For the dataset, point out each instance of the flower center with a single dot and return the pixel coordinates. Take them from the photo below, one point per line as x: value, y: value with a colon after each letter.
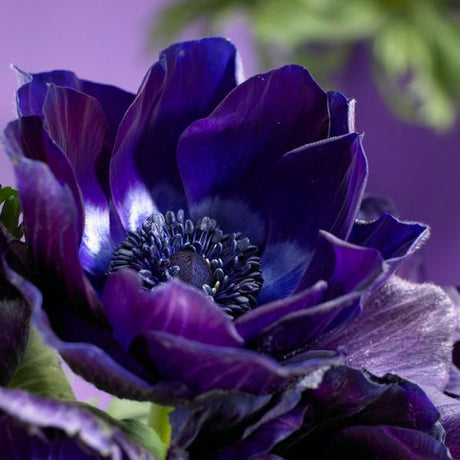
x: 225, y: 266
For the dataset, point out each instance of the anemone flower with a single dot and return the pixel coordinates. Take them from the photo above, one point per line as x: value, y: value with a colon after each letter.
x: 201, y: 234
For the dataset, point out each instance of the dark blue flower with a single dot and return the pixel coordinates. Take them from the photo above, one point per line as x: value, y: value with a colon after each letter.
x: 200, y: 235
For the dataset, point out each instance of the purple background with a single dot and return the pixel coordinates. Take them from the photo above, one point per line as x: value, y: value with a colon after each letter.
x: 106, y: 40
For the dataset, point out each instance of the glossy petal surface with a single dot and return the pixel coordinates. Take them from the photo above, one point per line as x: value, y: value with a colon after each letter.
x: 175, y: 308
x: 144, y: 174
x: 262, y: 119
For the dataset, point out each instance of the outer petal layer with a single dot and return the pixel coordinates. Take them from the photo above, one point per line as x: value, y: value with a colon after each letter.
x: 404, y: 328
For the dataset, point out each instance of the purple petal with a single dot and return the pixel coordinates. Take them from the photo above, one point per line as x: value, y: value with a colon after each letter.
x: 33, y: 427
x: 395, y: 239
x: 26, y: 137
x: 250, y: 324
x: 343, y: 266
x: 261, y: 440
x: 294, y: 331
x: 341, y: 114
x: 31, y: 95
x: 404, y: 328
x: 93, y: 363
x: 388, y: 442
x: 50, y: 218
x: 230, y: 156
x: 450, y: 419
x: 77, y: 125
x: 204, y: 367
x: 189, y: 80
x: 317, y: 187
x: 173, y: 307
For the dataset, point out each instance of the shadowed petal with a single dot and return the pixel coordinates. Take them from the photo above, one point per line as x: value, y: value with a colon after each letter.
x: 395, y: 239
x: 323, y: 184
x: 387, y: 442
x: 204, y: 367
x: 92, y: 362
x: 341, y: 114
x: 50, y: 213
x: 251, y: 323
x: 404, y: 328
x: 31, y: 95
x: 230, y: 156
x: 77, y: 124
x: 189, y: 80
x: 26, y: 137
x: 173, y: 307
x: 295, y: 331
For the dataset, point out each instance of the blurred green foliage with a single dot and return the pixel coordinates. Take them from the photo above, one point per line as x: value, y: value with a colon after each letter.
x: 415, y: 43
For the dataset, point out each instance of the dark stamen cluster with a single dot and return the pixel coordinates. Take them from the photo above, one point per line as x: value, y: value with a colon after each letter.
x: 225, y: 267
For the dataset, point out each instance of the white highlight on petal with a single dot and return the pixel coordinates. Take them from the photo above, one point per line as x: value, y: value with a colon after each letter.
x: 96, y: 235
x: 137, y: 206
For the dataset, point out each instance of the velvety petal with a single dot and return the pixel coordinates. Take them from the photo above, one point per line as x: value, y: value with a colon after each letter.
x: 260, y: 441
x: 204, y: 367
x: 345, y: 267
x: 50, y: 213
x: 251, y: 323
x: 395, y: 239
x: 323, y: 184
x: 385, y: 442
x: 77, y: 125
x: 92, y: 362
x: 450, y: 419
x: 230, y: 156
x: 33, y: 427
x: 31, y: 95
x: 26, y: 137
x: 341, y: 114
x: 295, y: 331
x: 172, y: 307
x: 404, y: 328
x: 189, y: 80
x: 214, y: 416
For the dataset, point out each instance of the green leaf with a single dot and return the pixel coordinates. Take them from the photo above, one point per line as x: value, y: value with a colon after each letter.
x: 137, y: 430
x: 125, y: 408
x: 40, y: 371
x: 146, y: 436
x: 159, y: 421
x: 11, y: 211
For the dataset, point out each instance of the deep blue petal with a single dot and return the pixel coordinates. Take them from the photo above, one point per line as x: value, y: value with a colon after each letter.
x: 186, y: 84
x: 230, y: 156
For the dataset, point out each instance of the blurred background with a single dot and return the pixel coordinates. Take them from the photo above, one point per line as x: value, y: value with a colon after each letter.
x: 400, y: 59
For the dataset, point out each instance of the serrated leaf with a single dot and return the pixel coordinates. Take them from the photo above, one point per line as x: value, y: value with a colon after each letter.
x: 40, y: 372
